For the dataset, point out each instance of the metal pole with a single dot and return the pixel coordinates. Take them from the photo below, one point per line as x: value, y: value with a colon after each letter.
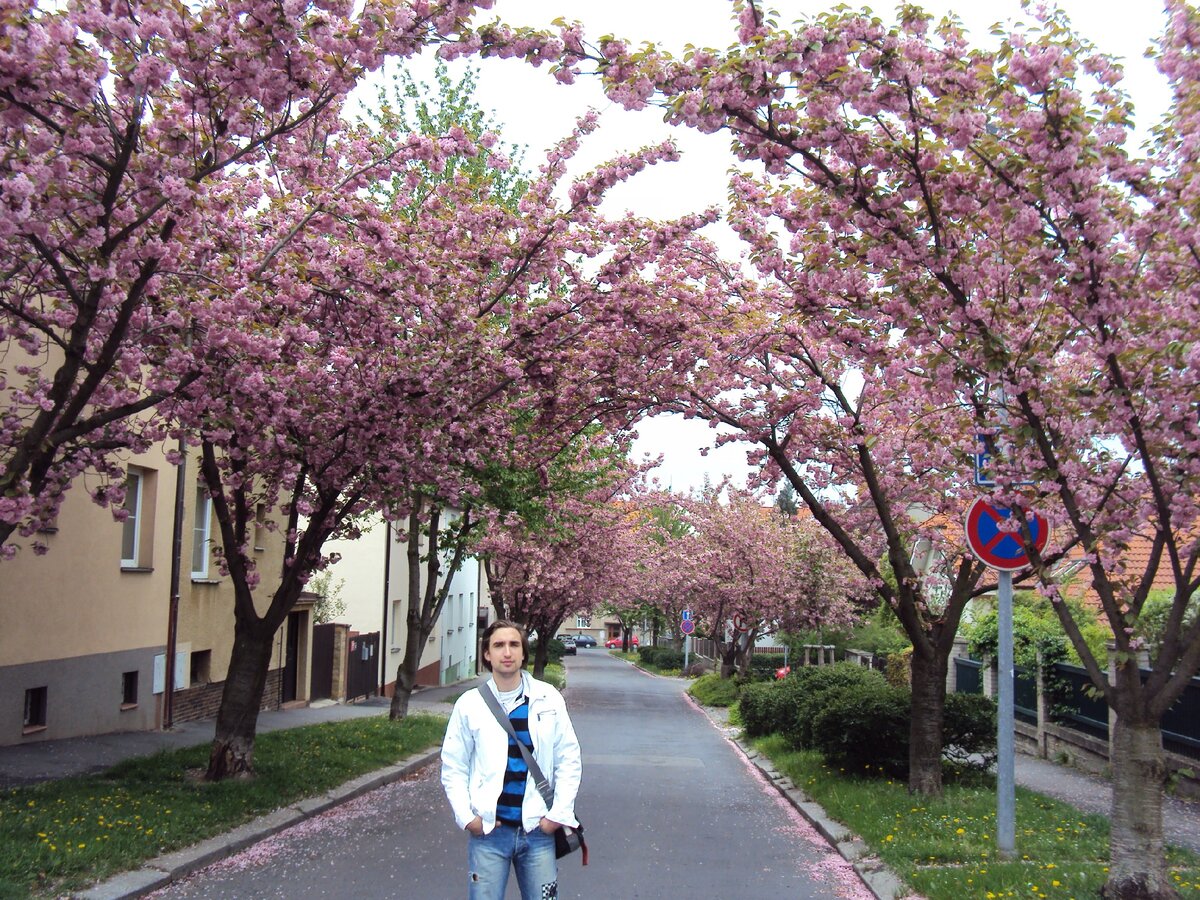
x: 1005, y: 791
x: 173, y: 602
x: 687, y: 650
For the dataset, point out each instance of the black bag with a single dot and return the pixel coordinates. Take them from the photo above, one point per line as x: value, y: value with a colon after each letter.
x: 566, y: 839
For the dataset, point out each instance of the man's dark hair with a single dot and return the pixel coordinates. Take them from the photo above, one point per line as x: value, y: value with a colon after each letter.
x: 496, y: 626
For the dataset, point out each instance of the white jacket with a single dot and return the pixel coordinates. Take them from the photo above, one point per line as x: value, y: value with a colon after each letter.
x: 475, y: 756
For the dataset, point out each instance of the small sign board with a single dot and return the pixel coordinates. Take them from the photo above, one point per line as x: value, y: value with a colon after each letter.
x: 687, y: 626
x: 739, y: 623
x: 997, y: 548
x: 983, y: 463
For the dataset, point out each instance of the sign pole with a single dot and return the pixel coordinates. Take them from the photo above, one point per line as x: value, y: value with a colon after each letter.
x: 687, y: 650
x: 1005, y: 780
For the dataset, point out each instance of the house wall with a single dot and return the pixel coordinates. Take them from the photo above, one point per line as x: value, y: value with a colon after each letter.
x: 75, y: 621
x: 361, y: 572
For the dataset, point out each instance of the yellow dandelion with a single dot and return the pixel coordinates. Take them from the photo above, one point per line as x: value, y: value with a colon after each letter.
x: 960, y: 831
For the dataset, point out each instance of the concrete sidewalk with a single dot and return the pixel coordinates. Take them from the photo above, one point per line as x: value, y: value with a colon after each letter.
x: 46, y: 760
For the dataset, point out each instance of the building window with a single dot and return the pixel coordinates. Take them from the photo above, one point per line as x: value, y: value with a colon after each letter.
x: 129, y: 689
x: 583, y: 622
x: 201, y: 537
x: 201, y: 670
x: 131, y: 528
x: 35, y: 708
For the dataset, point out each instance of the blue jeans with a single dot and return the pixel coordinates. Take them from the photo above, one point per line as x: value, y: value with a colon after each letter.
x: 531, y: 853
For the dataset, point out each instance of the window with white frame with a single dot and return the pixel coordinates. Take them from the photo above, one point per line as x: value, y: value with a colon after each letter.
x: 131, y: 528
x: 583, y: 621
x: 201, y: 532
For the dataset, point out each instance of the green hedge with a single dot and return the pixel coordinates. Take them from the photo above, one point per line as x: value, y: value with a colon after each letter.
x: 859, y: 722
x: 814, y: 682
x: 768, y: 707
x: 661, y: 657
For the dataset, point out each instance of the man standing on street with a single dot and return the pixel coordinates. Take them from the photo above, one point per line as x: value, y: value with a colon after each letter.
x: 487, y: 781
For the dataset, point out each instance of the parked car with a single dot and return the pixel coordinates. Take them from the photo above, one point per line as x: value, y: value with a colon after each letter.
x: 584, y: 640
x: 615, y: 643
x: 568, y: 643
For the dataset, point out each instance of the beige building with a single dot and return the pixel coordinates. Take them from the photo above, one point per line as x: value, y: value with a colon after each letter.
x: 86, y: 641
x: 373, y: 573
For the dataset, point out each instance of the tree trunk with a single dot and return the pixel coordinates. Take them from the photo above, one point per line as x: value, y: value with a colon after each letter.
x: 406, y: 672
x: 1137, y: 869
x: 232, y: 753
x: 925, y: 726
x: 728, y: 659
x: 540, y: 655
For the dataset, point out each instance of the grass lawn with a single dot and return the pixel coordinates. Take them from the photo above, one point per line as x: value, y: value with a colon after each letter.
x: 945, y: 848
x: 62, y: 835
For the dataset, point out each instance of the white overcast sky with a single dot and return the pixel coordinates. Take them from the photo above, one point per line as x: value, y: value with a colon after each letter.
x: 536, y: 111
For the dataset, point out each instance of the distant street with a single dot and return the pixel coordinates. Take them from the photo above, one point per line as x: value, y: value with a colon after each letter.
x: 671, y: 811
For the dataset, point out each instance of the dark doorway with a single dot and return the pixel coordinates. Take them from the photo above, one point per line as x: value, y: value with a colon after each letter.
x: 322, y: 662
x: 291, y: 660
x: 362, y: 666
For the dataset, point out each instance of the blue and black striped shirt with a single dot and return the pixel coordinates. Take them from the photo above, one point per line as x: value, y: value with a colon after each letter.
x: 508, y: 807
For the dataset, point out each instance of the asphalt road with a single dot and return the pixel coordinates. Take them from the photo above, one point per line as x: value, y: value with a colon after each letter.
x: 671, y: 810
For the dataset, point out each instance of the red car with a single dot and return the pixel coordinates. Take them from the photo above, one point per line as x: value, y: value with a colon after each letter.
x: 615, y: 643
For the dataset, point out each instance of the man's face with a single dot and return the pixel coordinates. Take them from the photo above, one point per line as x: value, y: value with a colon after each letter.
x: 504, y: 651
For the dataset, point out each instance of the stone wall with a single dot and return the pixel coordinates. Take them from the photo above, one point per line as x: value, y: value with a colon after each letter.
x: 202, y: 701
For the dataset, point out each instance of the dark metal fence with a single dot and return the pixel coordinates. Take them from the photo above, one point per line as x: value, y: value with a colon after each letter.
x: 1025, y: 696
x: 1181, y: 724
x: 1076, y: 705
x: 968, y: 675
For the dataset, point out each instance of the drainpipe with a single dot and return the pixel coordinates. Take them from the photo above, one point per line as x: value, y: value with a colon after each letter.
x: 384, y: 644
x: 173, y: 607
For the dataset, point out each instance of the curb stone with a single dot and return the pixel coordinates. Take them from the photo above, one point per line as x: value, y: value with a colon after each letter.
x: 880, y: 881
x: 162, y: 870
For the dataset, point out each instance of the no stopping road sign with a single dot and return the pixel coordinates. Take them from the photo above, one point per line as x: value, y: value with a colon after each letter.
x: 994, y: 547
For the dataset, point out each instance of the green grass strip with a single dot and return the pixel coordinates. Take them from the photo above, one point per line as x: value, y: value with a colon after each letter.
x: 945, y: 848
x: 62, y: 835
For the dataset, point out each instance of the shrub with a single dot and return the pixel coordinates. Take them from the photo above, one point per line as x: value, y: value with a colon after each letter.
x: 661, y: 657
x: 763, y: 666
x: 864, y: 727
x: 769, y: 707
x: 811, y: 685
x: 898, y: 669
x: 969, y: 730
x: 713, y: 690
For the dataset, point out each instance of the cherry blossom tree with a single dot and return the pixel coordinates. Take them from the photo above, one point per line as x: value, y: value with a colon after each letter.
x: 540, y: 576
x: 977, y: 215
x: 391, y: 348
x: 122, y: 126
x: 740, y: 563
